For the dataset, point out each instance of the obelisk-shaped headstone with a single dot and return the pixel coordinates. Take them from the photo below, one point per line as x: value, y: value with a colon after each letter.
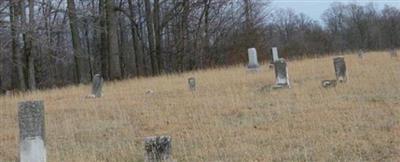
x: 340, y: 69
x: 192, y: 83
x: 157, y: 149
x: 275, y: 56
x: 97, y: 85
x: 31, y: 131
x: 253, y: 61
x: 281, y: 73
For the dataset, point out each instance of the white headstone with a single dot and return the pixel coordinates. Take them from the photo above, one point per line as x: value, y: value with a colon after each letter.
x: 275, y: 56
x: 32, y: 132
x: 253, y: 61
x: 360, y: 53
x: 97, y: 85
x: 192, y: 83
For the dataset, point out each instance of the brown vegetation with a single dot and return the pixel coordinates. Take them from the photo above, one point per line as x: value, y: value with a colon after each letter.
x: 227, y: 118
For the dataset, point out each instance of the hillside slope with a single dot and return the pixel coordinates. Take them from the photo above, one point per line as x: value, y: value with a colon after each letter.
x: 227, y: 118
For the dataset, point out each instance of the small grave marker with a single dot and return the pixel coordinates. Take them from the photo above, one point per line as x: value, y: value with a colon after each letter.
x: 157, y: 148
x: 360, y: 54
x: 192, y: 83
x: 31, y: 131
x: 253, y: 61
x: 340, y: 69
x: 97, y: 86
x: 328, y: 83
x: 281, y: 73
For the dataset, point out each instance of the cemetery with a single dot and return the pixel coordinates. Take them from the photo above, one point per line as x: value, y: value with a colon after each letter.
x: 218, y: 115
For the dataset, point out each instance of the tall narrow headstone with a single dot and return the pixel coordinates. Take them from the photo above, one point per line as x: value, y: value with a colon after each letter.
x: 275, y: 56
x: 31, y: 131
x: 393, y: 52
x: 157, y: 149
x: 281, y: 73
x: 97, y: 85
x: 253, y: 61
x: 192, y: 83
x: 340, y: 69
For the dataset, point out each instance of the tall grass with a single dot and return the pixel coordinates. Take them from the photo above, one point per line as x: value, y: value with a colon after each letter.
x: 228, y: 118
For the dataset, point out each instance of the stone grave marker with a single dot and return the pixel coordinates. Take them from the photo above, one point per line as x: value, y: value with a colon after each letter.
x: 97, y: 86
x: 31, y: 131
x: 281, y: 73
x: 157, y: 149
x: 192, y: 83
x: 275, y: 56
x: 328, y: 83
x: 340, y: 69
x: 360, y: 54
x: 253, y: 61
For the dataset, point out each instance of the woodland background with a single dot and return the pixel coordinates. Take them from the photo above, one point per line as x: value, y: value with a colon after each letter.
x: 52, y: 43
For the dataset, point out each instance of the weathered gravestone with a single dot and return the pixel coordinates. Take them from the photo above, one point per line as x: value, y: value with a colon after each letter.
x: 328, y: 83
x: 97, y: 86
x: 393, y: 52
x: 31, y: 131
x: 340, y: 69
x: 360, y: 54
x: 281, y: 73
x: 192, y: 83
x: 275, y: 56
x: 253, y: 61
x: 157, y: 149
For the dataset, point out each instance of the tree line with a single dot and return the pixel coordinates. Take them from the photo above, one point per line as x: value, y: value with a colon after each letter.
x: 52, y: 43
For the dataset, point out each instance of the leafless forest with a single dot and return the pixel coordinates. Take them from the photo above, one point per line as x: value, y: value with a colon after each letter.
x: 48, y: 43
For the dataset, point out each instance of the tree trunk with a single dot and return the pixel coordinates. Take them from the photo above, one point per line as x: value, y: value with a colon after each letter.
x: 136, y: 42
x: 81, y: 60
x: 158, y: 30
x: 103, y: 41
x: 16, y: 23
x: 112, y: 31
x: 151, y: 38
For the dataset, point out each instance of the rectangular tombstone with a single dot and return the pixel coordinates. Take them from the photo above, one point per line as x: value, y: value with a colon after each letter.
x: 275, y: 56
x: 157, y: 148
x: 253, y: 61
x: 31, y: 131
x: 340, y: 69
x: 97, y: 85
x: 281, y: 73
x: 192, y: 83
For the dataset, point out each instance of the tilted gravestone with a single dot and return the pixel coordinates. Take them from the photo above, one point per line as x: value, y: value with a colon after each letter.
x: 253, y: 61
x: 32, y: 131
x: 340, y: 69
x: 157, y: 148
x: 97, y: 85
x: 281, y: 73
x: 393, y: 52
x: 275, y: 56
x: 192, y: 83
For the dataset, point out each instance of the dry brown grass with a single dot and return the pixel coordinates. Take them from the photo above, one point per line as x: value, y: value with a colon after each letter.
x: 227, y: 118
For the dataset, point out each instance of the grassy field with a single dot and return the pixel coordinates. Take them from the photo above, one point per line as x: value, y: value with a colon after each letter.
x: 228, y: 118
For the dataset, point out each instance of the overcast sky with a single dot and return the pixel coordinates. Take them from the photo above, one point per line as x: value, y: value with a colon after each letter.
x: 314, y: 8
